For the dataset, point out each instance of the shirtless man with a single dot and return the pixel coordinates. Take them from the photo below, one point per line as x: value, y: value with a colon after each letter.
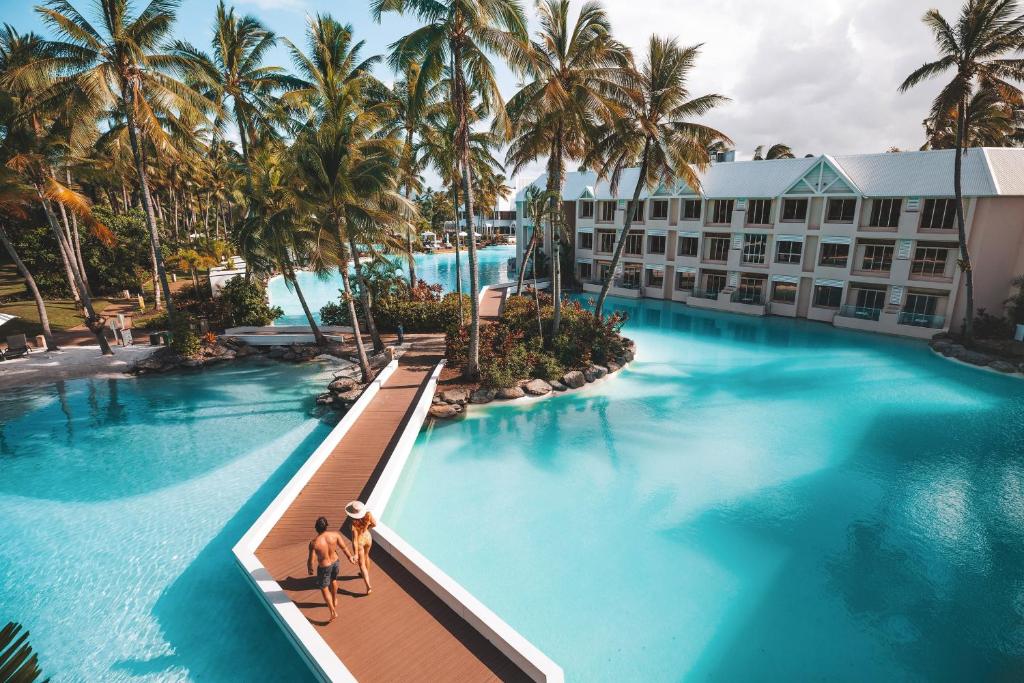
x: 324, y: 547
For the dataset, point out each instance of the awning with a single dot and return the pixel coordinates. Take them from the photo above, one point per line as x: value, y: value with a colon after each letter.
x: 586, y: 231
x: 654, y: 266
x: 582, y: 260
x: 689, y: 234
x: 791, y: 279
x: 835, y: 239
x: 685, y: 269
x: 789, y: 238
x: 657, y: 232
x: 829, y: 283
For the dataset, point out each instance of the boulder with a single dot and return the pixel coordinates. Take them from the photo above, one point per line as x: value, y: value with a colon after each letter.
x: 150, y: 364
x: 613, y: 367
x: 342, y: 384
x: 953, y: 350
x: 511, y: 393
x: 589, y: 374
x: 445, y: 411
x: 940, y: 345
x: 1003, y: 366
x: 288, y: 355
x: 192, y: 363
x: 558, y: 386
x: 537, y: 387
x: 599, y: 371
x: 325, y: 399
x: 574, y: 379
x: 347, y: 398
x: 974, y: 358
x: 460, y: 396
x: 276, y: 352
x: 243, y: 350
x: 437, y: 401
x: 481, y: 396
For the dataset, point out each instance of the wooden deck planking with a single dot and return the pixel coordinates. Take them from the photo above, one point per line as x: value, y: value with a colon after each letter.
x: 402, y: 631
x: 490, y: 304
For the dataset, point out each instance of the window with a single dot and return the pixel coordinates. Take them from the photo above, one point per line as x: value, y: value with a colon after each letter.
x: 603, y: 269
x: 685, y: 282
x: 655, y: 277
x: 870, y: 300
x: 608, y: 212
x: 840, y: 210
x: 827, y: 296
x: 784, y: 292
x: 656, y: 244
x: 585, y: 271
x: 586, y: 240
x: 788, y: 251
x: 721, y: 211
x: 634, y: 244
x: 794, y: 210
x: 885, y: 213
x: 877, y: 258
x: 691, y: 209
x: 659, y: 209
x: 930, y: 261
x: 714, y: 283
x: 687, y: 246
x: 638, y: 212
x: 938, y: 214
x: 921, y: 304
x: 834, y: 255
x: 754, y: 247
x: 606, y: 242
x: 631, y: 276
x: 751, y: 290
x: 586, y: 209
x: 759, y: 212
x: 718, y: 249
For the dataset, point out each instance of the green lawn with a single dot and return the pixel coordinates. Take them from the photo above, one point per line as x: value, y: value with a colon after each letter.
x: 62, y: 312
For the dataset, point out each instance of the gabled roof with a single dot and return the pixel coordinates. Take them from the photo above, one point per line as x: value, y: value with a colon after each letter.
x: 824, y: 177
x: 987, y: 172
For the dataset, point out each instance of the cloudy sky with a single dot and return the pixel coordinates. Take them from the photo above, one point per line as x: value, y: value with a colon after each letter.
x: 819, y: 75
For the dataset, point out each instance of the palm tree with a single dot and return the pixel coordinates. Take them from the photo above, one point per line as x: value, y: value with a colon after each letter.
x: 14, y: 197
x: 346, y: 175
x: 235, y: 72
x: 273, y: 236
x: 777, y: 151
x: 577, y: 70
x: 539, y: 207
x: 991, y: 122
x: 458, y: 35
x: 120, y: 64
x: 975, y: 48
x: 34, y: 137
x: 654, y: 130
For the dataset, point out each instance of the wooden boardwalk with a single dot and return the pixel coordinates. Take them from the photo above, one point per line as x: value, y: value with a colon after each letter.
x: 402, y: 632
x: 491, y: 301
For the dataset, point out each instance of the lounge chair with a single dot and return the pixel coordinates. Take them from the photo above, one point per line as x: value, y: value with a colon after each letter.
x: 17, y: 346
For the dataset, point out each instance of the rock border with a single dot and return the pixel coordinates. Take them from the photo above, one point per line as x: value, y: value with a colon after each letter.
x: 453, y: 403
x: 953, y: 350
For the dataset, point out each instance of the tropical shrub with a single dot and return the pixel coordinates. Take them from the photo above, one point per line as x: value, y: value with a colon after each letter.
x: 1015, y: 304
x: 184, y: 340
x: 424, y: 314
x: 990, y: 326
x: 245, y: 303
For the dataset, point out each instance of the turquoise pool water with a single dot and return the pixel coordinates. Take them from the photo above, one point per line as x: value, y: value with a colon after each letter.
x: 751, y: 500
x: 434, y: 268
x: 120, y: 501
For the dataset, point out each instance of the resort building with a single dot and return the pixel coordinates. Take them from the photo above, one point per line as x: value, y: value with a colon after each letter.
x: 867, y: 242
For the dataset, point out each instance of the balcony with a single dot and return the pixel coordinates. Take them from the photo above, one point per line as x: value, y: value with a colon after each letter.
x: 628, y: 289
x: 732, y: 301
x: 860, y: 312
x: 748, y: 297
x: 932, y: 322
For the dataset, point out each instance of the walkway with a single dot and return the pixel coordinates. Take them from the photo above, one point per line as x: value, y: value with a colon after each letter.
x: 402, y: 632
x: 491, y: 302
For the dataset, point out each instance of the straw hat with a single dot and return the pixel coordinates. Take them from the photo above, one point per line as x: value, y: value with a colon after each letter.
x: 355, y: 510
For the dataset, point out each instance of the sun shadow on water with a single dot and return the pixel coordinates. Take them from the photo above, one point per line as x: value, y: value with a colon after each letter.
x: 209, y: 614
x: 884, y: 574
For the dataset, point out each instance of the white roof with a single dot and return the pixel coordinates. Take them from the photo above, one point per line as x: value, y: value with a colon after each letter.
x: 986, y: 172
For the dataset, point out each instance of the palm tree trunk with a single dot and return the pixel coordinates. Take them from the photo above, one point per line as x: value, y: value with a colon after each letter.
x: 77, y: 241
x: 458, y: 263
x: 92, y: 320
x: 364, y: 362
x: 555, y: 186
x: 364, y: 299
x: 617, y: 255
x: 965, y: 257
x: 318, y: 334
x: 526, y: 258
x: 147, y: 200
x: 156, y: 278
x: 30, y: 282
x: 408, y: 196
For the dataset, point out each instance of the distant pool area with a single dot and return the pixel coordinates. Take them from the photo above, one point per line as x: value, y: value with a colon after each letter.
x: 439, y: 269
x: 121, y: 500
x: 752, y: 499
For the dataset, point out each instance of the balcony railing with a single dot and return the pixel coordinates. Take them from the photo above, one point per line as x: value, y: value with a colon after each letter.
x: 860, y: 312
x: 752, y: 298
x: 934, y: 322
x: 711, y: 294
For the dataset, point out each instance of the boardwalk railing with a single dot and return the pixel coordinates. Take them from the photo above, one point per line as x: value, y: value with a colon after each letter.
x: 321, y: 659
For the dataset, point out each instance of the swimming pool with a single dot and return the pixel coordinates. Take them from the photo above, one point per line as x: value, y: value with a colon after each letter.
x: 492, y: 267
x: 121, y: 500
x: 752, y: 499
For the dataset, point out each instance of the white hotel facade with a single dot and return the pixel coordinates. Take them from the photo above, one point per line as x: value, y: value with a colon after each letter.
x: 867, y: 242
